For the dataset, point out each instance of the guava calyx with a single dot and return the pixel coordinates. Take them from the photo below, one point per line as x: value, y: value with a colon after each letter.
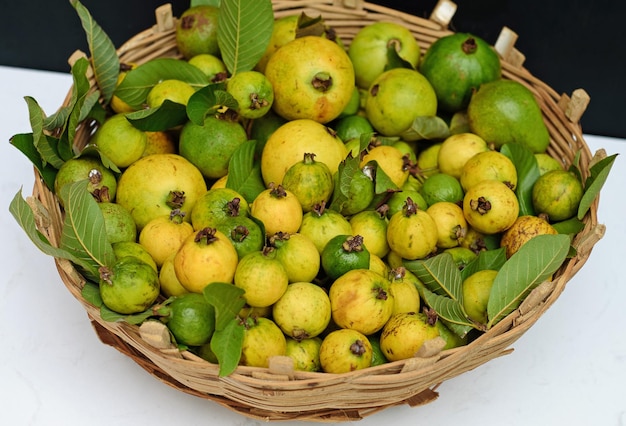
x: 106, y: 275
x: 233, y: 206
x: 256, y: 102
x: 431, y: 315
x: 410, y: 207
x: 177, y: 216
x: 381, y: 294
x: 480, y: 205
x: 358, y: 347
x: 206, y: 236
x: 175, y: 199
x: 239, y: 233
x: 322, y: 81
x: 353, y: 243
x: 278, y: 191
x: 469, y: 46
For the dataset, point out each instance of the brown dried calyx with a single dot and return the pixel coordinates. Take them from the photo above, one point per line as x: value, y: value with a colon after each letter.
x: 322, y: 81
x: 480, y: 205
x: 410, y: 207
x: 233, y: 207
x: 353, y: 243
x: 358, y: 347
x: 175, y: 199
x: 206, y: 235
x: 469, y: 46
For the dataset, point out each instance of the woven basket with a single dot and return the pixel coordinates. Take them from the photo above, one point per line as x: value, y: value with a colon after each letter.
x: 279, y: 393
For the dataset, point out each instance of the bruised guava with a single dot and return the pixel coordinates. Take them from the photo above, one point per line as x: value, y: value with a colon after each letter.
x: 525, y: 228
x: 196, y: 31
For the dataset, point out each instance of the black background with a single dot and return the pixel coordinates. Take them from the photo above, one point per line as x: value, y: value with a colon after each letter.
x: 569, y: 44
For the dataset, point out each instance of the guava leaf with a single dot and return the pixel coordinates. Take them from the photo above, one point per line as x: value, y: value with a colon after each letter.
x: 459, y: 123
x: 450, y: 310
x: 426, y: 127
x: 105, y: 62
x: 527, y: 174
x: 139, y: 81
x: 570, y: 226
x: 215, y: 3
x: 244, y: 29
x: 46, y: 149
x: 310, y: 25
x: 244, y: 174
x: 207, y: 101
x: 93, y: 150
x: 226, y: 344
x: 24, y: 143
x: 25, y: 217
x: 439, y: 274
x: 345, y: 173
x: 167, y: 116
x: 531, y: 265
x: 599, y: 172
x: 486, y: 259
x: 382, y: 182
x: 135, y: 319
x: 394, y: 60
x: 91, y: 293
x: 227, y: 301
x: 84, y: 231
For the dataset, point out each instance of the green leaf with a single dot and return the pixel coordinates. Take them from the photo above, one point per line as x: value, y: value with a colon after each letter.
x: 25, y: 217
x: 531, y: 265
x: 570, y: 226
x: 527, y: 173
x: 215, y: 3
x: 84, y: 231
x: 47, y: 151
x: 167, y: 116
x: 486, y: 259
x: 24, y: 142
x: 105, y: 62
x: 91, y: 293
x: 439, y: 274
x: 244, y: 174
x: 450, y: 310
x: 227, y: 301
x: 593, y: 185
x: 394, y: 60
x: 382, y: 182
x: 244, y: 29
x: 208, y: 100
x: 135, y: 319
x: 426, y: 127
x: 139, y: 81
x: 346, y: 171
x: 226, y: 344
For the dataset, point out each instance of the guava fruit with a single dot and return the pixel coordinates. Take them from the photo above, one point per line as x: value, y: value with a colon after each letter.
x: 196, y: 31
x: 506, y: 111
x: 457, y: 64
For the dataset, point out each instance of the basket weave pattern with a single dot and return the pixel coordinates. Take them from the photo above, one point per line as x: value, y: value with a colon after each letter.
x: 279, y: 394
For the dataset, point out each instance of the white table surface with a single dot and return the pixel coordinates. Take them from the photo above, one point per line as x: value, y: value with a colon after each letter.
x: 569, y: 368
